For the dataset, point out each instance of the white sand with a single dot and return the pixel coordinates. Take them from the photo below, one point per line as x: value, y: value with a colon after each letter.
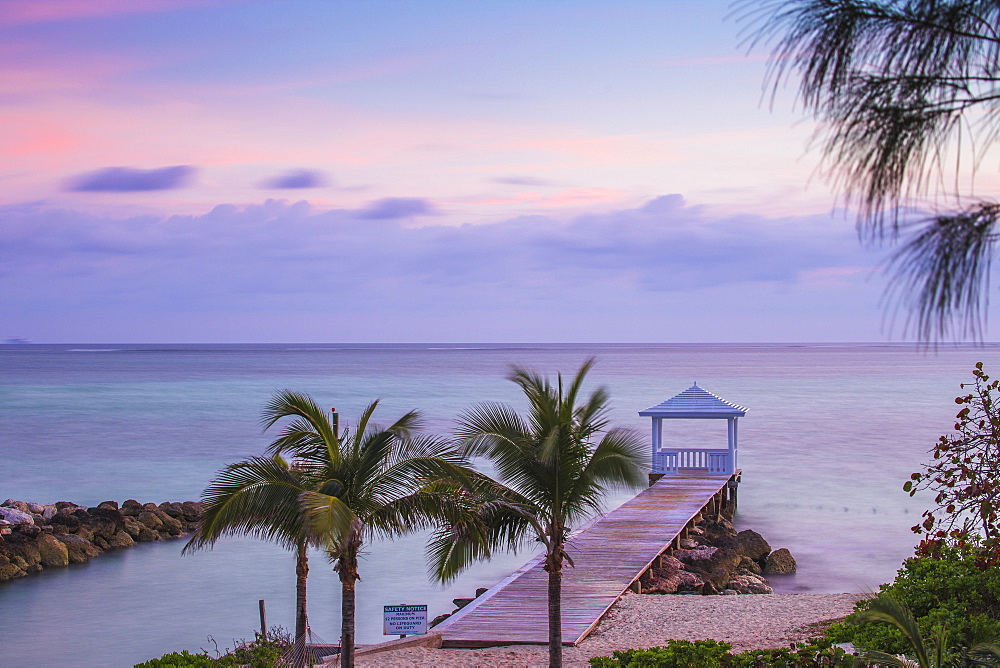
x: 637, y: 621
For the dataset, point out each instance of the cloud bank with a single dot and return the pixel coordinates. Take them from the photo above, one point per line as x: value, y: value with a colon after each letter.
x: 297, y: 178
x: 129, y: 179
x: 664, y: 271
x: 392, y: 208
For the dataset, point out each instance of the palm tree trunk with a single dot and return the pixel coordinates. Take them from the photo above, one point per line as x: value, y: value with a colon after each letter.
x: 347, y: 565
x: 554, y: 567
x: 301, y: 620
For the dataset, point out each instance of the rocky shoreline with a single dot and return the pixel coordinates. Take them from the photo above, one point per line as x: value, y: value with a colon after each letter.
x: 714, y: 558
x: 36, y: 536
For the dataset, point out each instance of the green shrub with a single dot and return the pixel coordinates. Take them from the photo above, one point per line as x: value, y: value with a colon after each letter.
x: 183, y: 659
x: 258, y: 653
x: 951, y: 588
x: 675, y: 654
x: 714, y: 654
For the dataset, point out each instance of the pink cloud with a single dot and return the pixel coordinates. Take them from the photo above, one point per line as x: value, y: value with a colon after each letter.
x: 27, y: 136
x: 18, y: 12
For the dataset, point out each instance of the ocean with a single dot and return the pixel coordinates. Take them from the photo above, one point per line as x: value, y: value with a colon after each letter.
x: 831, y: 434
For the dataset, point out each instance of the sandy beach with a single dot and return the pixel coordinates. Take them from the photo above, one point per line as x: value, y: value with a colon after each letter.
x: 747, y: 622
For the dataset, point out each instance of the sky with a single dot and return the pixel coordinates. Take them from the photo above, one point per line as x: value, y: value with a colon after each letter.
x: 429, y: 171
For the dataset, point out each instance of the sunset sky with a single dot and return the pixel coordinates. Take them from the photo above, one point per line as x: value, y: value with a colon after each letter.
x: 323, y: 171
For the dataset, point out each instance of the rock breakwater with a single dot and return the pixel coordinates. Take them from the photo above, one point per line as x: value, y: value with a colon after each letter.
x: 36, y: 536
x: 714, y: 558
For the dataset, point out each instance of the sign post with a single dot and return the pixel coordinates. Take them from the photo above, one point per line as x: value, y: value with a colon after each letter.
x: 404, y: 620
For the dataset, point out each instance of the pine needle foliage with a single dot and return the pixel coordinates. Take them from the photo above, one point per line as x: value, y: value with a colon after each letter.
x: 905, y: 92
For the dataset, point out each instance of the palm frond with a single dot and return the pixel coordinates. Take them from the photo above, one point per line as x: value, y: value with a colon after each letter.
x: 889, y: 609
x: 942, y: 272
x: 258, y: 498
x: 890, y: 82
x: 474, y: 521
x: 311, y: 426
x: 330, y: 518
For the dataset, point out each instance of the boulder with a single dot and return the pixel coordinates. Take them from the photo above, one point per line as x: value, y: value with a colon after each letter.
x: 64, y: 505
x: 17, y: 505
x: 677, y: 582
x: 696, y: 557
x: 131, y: 507
x: 173, y: 509
x: 121, y: 540
x: 749, y: 584
x: 104, y: 527
x: 65, y: 519
x: 151, y: 521
x: 109, y: 505
x: 78, y: 549
x: 748, y: 565
x: 146, y: 534
x: 779, y: 562
x: 19, y: 562
x: 48, y: 511
x: 35, y: 508
x: 192, y: 510
x: 171, y: 525
x: 150, y: 507
x: 29, y: 530
x: 713, y: 564
x: 132, y: 526
x: 82, y: 514
x: 9, y: 571
x: 52, y: 550
x: 670, y: 578
x: 23, y: 547
x: 751, y: 544
x: 112, y: 514
x: 16, y: 515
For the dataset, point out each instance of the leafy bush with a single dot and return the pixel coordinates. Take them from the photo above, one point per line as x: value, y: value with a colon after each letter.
x: 258, y: 653
x: 714, y: 654
x: 182, y: 659
x: 951, y: 588
x: 675, y: 654
x: 817, y: 652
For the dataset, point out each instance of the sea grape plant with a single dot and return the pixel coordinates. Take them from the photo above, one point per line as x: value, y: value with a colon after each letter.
x: 965, y: 474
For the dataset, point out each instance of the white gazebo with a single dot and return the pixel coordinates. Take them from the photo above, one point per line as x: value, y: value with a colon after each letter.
x: 697, y: 404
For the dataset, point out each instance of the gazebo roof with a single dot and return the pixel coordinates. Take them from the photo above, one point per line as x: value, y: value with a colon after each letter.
x: 695, y: 402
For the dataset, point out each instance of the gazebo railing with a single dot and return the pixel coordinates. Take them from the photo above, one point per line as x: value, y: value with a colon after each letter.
x: 714, y: 460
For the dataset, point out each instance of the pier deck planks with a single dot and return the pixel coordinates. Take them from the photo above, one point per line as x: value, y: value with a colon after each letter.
x: 609, y: 556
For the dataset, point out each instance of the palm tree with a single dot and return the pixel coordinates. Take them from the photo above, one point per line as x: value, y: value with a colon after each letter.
x: 369, y: 482
x: 550, y: 475
x: 259, y: 497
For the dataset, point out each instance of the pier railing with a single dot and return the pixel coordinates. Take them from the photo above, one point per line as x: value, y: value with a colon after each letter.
x: 713, y: 460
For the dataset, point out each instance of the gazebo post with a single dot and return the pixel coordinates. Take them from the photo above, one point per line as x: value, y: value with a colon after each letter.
x: 732, y: 444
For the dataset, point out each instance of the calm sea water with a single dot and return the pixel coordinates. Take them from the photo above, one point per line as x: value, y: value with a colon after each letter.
x: 832, y: 432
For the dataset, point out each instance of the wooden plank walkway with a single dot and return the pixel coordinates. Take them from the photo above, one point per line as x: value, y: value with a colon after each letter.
x: 609, y: 555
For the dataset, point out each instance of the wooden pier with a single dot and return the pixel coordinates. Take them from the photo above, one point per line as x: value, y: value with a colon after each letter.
x: 610, y: 556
